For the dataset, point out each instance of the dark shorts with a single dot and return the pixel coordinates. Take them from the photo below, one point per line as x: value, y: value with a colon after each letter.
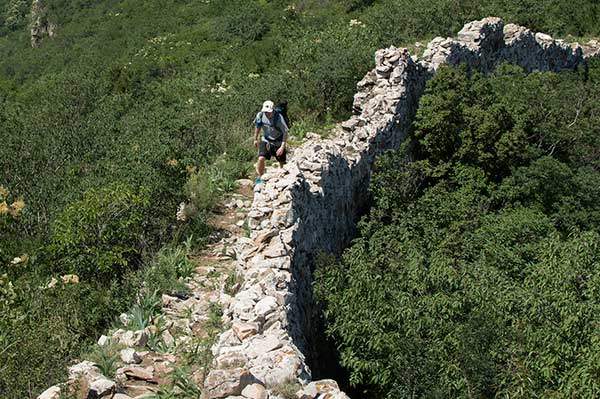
x: 268, y: 149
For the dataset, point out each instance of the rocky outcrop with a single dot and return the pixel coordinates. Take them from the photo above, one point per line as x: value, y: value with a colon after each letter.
x: 311, y: 205
x: 40, y: 26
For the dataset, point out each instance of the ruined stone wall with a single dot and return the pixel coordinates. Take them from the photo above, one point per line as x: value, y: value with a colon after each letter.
x: 313, y: 203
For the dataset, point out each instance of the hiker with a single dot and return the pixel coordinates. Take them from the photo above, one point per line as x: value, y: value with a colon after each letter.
x: 272, y: 142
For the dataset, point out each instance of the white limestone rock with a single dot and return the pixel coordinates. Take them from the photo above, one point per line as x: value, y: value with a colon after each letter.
x: 50, y: 393
x: 255, y: 391
x: 223, y: 383
x: 130, y: 356
x: 265, y: 306
x: 102, y: 387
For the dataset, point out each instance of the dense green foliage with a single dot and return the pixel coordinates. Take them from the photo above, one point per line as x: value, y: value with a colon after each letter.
x: 98, y: 237
x: 133, y: 107
x: 477, y: 271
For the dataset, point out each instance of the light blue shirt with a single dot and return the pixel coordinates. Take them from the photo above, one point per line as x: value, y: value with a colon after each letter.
x: 273, y: 129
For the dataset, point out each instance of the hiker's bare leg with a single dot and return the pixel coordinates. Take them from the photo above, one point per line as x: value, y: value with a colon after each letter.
x: 260, y: 166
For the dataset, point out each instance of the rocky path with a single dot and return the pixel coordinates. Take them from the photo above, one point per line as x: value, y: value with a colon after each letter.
x: 171, y: 357
x: 176, y: 356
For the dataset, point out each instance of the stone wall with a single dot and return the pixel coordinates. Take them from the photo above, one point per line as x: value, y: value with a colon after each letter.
x: 313, y: 203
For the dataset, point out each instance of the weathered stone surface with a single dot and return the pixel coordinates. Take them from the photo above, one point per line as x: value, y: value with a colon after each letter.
x: 231, y: 360
x: 103, y: 340
x: 85, y: 368
x: 315, y: 388
x: 102, y: 387
x: 50, y: 393
x: 255, y: 391
x: 130, y: 338
x: 265, y: 306
x: 261, y: 346
x: 138, y: 373
x: 244, y: 330
x: 224, y: 383
x: 130, y: 356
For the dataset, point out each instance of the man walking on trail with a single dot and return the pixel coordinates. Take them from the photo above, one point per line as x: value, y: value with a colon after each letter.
x: 272, y: 142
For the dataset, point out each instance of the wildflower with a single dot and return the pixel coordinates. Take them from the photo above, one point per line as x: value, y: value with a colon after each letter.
x: 52, y: 283
x: 181, y: 216
x: 172, y: 162
x: 20, y: 259
x: 3, y: 208
x: 16, y: 207
x: 190, y: 169
x: 70, y: 278
x: 3, y: 192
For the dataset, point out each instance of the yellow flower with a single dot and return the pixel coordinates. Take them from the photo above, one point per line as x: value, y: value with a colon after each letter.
x: 3, y: 208
x: 3, y: 192
x: 190, y: 169
x: 70, y: 278
x: 172, y: 162
x: 16, y: 207
x: 21, y: 259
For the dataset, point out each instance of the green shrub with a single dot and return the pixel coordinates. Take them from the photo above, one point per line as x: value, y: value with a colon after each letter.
x: 475, y: 270
x: 241, y: 20
x: 102, y: 234
x: 167, y: 271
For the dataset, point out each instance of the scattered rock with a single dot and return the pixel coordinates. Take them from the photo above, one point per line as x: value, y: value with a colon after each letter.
x: 223, y: 383
x: 255, y: 391
x: 103, y: 340
x: 131, y: 338
x: 130, y: 356
x: 138, y: 373
x: 50, y: 393
x: 86, y: 369
x: 102, y: 387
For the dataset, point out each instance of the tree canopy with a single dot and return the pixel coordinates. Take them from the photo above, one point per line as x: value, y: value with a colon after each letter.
x: 476, y: 272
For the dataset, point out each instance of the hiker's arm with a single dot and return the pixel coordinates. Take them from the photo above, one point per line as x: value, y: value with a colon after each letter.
x: 282, y: 147
x: 285, y: 130
x: 284, y: 139
x: 256, y: 132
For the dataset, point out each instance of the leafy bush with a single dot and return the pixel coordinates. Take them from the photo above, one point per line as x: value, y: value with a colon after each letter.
x: 241, y: 20
x: 475, y: 272
x: 101, y: 235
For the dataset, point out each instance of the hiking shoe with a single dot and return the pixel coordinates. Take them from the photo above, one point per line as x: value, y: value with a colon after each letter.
x: 257, y: 181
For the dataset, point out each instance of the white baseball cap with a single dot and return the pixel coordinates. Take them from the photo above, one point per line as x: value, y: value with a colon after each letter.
x: 268, y: 106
